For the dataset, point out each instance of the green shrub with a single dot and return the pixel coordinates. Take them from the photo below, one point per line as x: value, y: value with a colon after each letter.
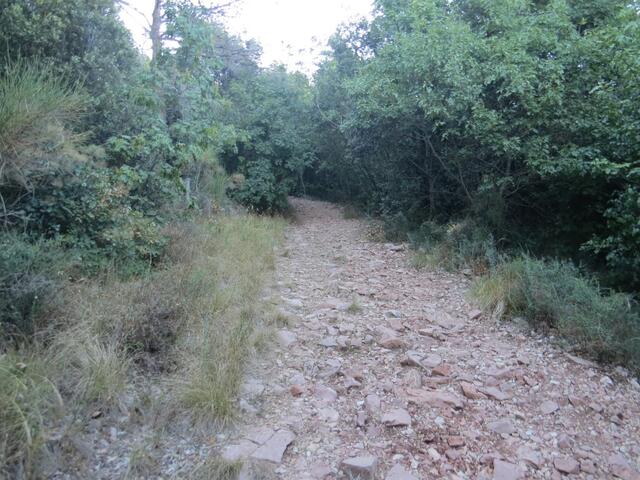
x: 98, y: 211
x: 36, y: 111
x: 262, y: 191
x: 458, y: 245
x: 554, y: 294
x: 31, y: 273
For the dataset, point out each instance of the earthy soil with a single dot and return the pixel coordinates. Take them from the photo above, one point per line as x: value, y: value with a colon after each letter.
x: 388, y: 372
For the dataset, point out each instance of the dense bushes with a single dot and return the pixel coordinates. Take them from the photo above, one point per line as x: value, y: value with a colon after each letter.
x: 522, y: 115
x: 553, y: 294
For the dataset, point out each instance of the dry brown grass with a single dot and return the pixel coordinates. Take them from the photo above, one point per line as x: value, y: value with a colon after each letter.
x: 192, y: 325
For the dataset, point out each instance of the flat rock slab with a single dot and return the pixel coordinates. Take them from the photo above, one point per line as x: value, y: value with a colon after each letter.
x: 548, y: 407
x: 504, y: 426
x: 506, y: 471
x: 566, y: 465
x: 397, y: 418
x: 436, y: 399
x: 239, y: 451
x: 273, y: 450
x: 363, y: 467
x: 398, y: 472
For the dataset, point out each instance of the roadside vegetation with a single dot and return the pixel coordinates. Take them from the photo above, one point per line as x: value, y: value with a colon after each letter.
x: 132, y: 262
x: 500, y: 138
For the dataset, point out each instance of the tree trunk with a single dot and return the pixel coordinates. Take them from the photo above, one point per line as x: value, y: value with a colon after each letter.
x: 156, y: 35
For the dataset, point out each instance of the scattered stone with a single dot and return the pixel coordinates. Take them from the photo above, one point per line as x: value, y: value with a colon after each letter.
x: 581, y: 361
x: 350, y: 382
x: 286, y: 338
x: 471, y: 392
x: 587, y: 466
x: 566, y: 465
x: 495, y: 393
x: 564, y: 442
x: 475, y: 314
x: 435, y: 456
x: 505, y: 471
x: 242, y: 450
x: 456, y: 441
x: 548, y: 407
x: 372, y: 403
x: 412, y: 359
x: 364, y: 467
x: 325, y: 394
x: 529, y: 456
x: 399, y: 473
x: 390, y: 340
x: 273, y: 450
x: 329, y: 415
x: 397, y: 418
x: 432, y: 360
x: 437, y: 399
x: 296, y: 390
x: 260, y: 435
x: 620, y: 468
x: 441, y: 371
x: 361, y: 419
x: 328, y: 342
x: 504, y: 426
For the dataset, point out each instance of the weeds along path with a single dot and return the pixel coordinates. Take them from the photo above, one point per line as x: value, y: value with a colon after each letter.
x: 387, y: 372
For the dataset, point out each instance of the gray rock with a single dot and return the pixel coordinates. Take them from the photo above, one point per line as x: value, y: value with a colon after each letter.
x: 399, y: 473
x: 273, y: 450
x: 397, y: 418
x: 506, y: 471
x: 364, y: 467
x: 504, y: 426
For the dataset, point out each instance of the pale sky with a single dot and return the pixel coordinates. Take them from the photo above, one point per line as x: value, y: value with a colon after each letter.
x: 293, y: 32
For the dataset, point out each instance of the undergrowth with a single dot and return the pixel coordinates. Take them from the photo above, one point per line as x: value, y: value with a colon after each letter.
x: 194, y: 323
x: 556, y: 295
x: 451, y: 247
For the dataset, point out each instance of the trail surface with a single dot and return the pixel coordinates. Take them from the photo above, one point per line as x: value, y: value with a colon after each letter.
x: 387, y: 372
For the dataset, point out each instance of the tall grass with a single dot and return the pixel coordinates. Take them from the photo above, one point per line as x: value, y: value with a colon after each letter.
x: 236, y: 256
x: 36, y: 109
x: 29, y: 402
x: 554, y: 294
x: 192, y: 325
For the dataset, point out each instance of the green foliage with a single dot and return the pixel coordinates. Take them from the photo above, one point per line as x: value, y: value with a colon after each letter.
x: 102, y: 211
x: 556, y: 295
x: 31, y: 274
x: 36, y: 110
x: 518, y: 114
x: 458, y: 245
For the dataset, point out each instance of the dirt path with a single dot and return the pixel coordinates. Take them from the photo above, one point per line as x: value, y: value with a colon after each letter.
x: 393, y: 366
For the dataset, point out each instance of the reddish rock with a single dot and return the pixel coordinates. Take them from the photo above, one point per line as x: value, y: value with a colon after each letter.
x: 566, y: 465
x: 437, y: 399
x: 471, y: 392
x: 397, y: 418
x: 456, y: 441
x: 441, y: 371
x: 495, y: 393
x: 296, y: 390
x: 506, y: 471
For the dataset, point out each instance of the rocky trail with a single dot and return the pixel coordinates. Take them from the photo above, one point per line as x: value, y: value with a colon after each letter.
x: 386, y: 372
